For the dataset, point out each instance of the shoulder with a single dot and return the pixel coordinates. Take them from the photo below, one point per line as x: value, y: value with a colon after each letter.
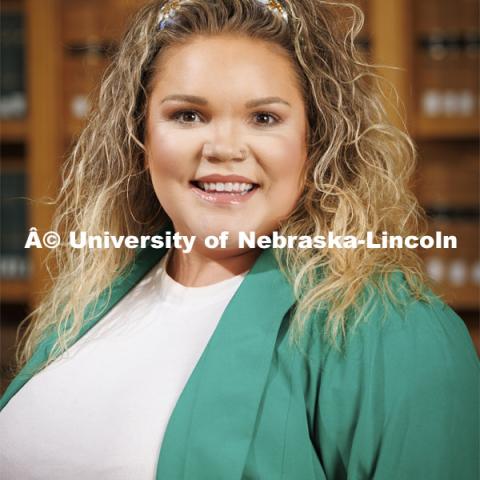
x: 401, y: 399
x: 416, y: 330
x: 402, y: 343
x: 422, y: 333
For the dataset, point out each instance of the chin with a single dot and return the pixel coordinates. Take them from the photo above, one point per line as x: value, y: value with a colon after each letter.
x: 217, y: 231
x: 213, y: 226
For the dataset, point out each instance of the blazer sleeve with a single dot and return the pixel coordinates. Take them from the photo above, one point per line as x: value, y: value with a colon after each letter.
x: 402, y: 402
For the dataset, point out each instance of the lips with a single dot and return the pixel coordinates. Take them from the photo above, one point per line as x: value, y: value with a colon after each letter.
x: 224, y: 179
x: 224, y: 189
x: 225, y: 183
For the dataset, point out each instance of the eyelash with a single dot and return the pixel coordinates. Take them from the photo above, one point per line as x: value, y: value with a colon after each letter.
x: 176, y: 116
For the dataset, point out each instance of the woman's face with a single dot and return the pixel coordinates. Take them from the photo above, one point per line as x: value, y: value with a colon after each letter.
x: 225, y: 137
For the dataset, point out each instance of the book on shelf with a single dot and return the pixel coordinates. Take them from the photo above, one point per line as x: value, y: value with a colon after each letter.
x: 457, y: 268
x: 447, y: 58
x: 13, y: 225
x: 13, y: 102
x: 449, y: 178
x: 89, y: 40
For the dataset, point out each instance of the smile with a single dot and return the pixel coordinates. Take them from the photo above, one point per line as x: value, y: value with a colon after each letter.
x: 224, y: 193
x: 226, y: 187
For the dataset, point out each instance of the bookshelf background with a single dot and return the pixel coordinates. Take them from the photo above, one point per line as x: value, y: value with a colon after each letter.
x: 62, y: 47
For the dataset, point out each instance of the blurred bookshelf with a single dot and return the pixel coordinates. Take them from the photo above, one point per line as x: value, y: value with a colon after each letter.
x: 13, y: 130
x: 446, y: 69
x: 14, y: 260
x: 446, y: 125
x: 53, y: 55
x: 61, y: 48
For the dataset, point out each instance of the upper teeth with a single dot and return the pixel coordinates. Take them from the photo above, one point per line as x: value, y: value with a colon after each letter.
x: 226, y: 187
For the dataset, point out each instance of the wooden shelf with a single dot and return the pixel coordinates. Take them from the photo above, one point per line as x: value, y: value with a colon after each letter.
x: 9, y: 164
x: 12, y: 5
x: 13, y: 130
x: 471, y: 321
x: 440, y: 128
x: 461, y: 298
x: 15, y: 291
x: 73, y: 129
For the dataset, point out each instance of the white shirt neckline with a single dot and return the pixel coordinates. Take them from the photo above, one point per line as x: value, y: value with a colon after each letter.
x: 174, y: 292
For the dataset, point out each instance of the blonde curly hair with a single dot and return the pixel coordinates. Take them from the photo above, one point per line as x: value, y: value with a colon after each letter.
x: 357, y: 171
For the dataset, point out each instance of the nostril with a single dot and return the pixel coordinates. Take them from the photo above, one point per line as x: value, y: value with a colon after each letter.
x: 219, y: 153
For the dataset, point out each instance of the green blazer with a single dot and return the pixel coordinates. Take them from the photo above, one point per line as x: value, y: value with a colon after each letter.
x: 402, y: 403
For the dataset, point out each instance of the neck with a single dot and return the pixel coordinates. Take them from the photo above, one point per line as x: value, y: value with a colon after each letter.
x: 200, y: 268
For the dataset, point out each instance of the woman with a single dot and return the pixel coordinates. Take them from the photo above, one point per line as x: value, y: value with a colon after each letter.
x: 231, y: 116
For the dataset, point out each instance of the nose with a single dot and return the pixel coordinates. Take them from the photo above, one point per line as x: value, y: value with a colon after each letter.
x: 222, y: 152
x: 222, y: 148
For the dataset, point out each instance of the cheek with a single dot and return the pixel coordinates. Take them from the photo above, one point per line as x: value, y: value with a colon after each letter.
x: 286, y: 168
x: 163, y: 157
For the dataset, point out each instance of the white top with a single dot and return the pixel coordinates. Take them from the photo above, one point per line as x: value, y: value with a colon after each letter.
x: 100, y: 411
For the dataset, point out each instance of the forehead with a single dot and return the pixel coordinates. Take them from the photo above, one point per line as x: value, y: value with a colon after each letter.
x: 240, y: 65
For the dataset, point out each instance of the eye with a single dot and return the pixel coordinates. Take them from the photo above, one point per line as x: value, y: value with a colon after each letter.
x: 185, y: 116
x: 264, y: 118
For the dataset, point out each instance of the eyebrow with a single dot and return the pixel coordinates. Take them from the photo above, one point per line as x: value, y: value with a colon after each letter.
x: 203, y: 101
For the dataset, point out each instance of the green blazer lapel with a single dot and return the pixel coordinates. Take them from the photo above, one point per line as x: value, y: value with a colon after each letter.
x: 143, y: 262
x: 210, y: 429
x: 222, y: 396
